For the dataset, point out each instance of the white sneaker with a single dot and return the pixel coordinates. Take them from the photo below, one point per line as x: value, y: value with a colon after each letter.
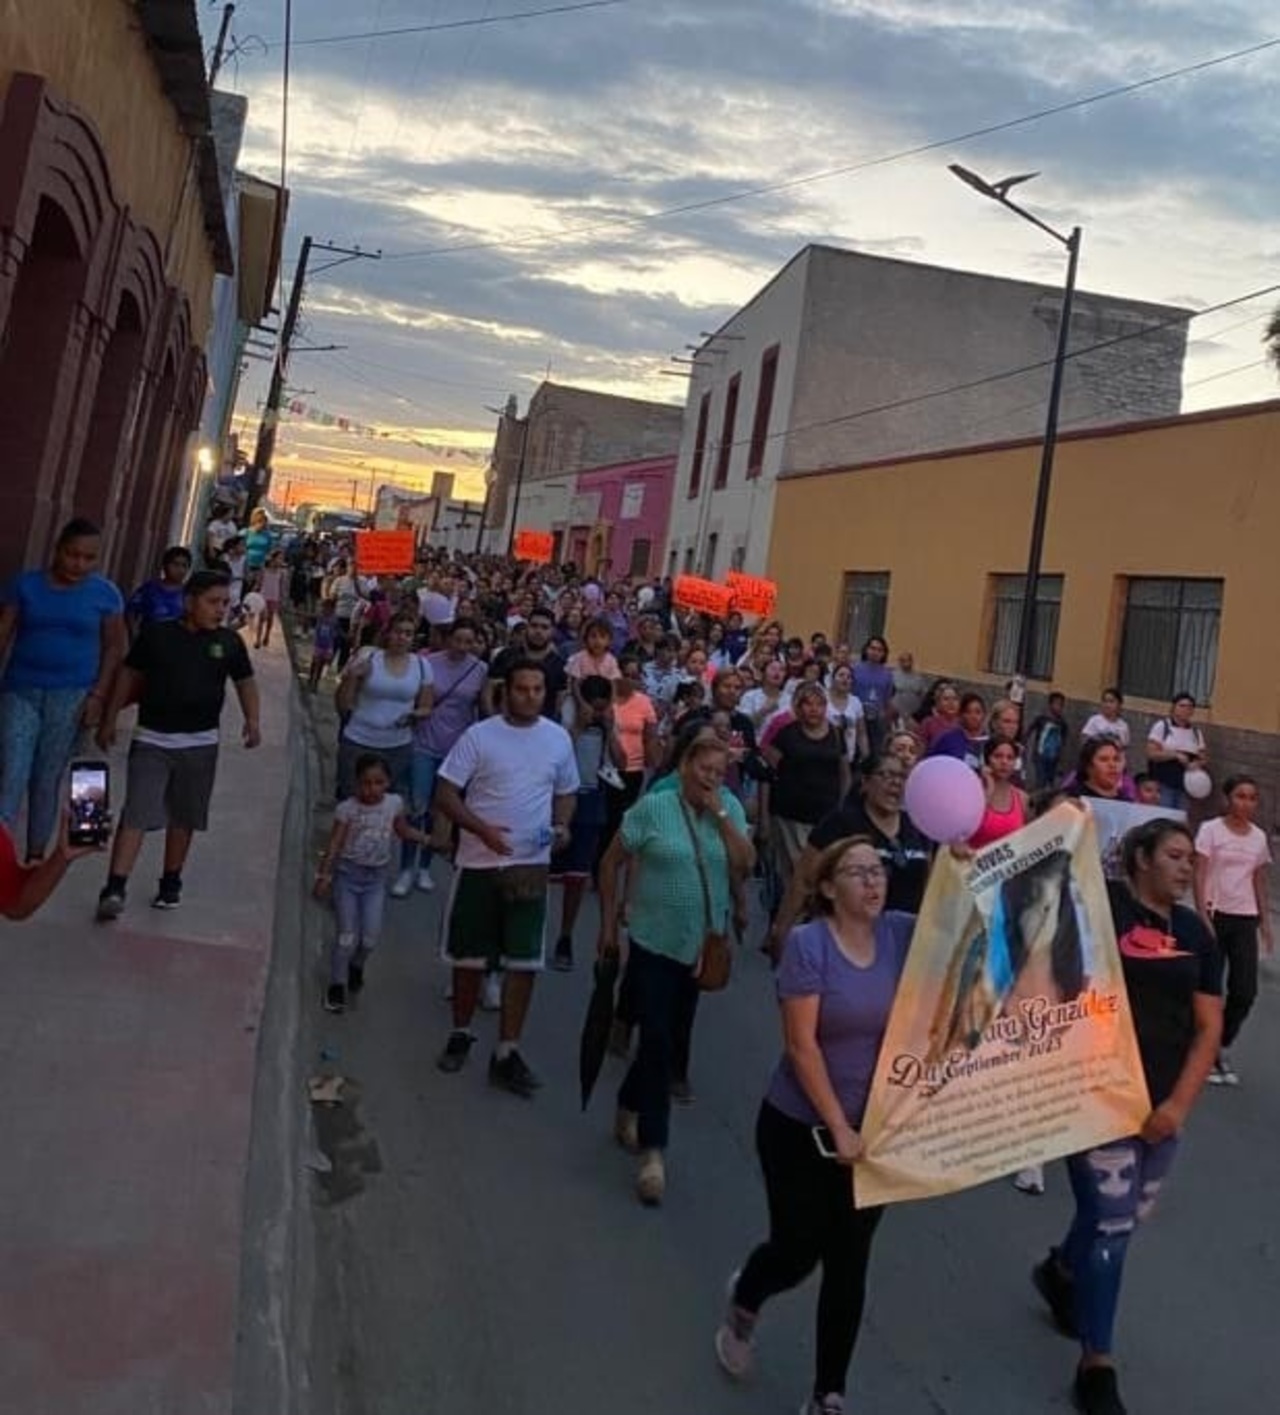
x: 491, y: 997
x: 403, y: 886
x: 425, y: 883
x: 651, y: 1179
x: 734, y: 1340
x: 1030, y: 1180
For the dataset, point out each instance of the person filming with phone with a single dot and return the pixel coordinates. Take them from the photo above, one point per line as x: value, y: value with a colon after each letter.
x: 836, y: 984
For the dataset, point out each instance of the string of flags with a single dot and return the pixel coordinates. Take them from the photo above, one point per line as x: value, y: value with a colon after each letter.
x: 298, y: 408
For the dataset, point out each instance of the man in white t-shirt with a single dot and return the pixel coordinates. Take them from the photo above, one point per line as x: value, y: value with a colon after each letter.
x: 521, y: 778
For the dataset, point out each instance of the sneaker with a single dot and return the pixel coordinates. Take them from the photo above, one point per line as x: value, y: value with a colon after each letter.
x: 168, y: 895
x: 355, y: 977
x: 1223, y: 1073
x: 563, y: 960
x: 1030, y: 1180
x: 335, y: 998
x: 110, y: 904
x: 425, y: 883
x: 1097, y: 1392
x: 512, y: 1073
x: 734, y: 1339
x: 403, y: 886
x: 491, y: 996
x: 456, y: 1050
x: 682, y: 1093
x: 1058, y: 1291
x: 832, y: 1404
x: 626, y: 1130
x: 651, y: 1179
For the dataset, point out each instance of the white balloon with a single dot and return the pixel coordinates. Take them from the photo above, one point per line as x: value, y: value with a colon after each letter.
x: 1197, y: 783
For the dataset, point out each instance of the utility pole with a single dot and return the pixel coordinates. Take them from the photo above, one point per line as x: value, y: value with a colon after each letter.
x: 220, y: 49
x: 266, y: 445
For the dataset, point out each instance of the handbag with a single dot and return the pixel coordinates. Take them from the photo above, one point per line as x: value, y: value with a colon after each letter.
x: 715, y: 958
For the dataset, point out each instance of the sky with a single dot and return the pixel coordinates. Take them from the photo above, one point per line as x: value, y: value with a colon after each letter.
x: 513, y: 175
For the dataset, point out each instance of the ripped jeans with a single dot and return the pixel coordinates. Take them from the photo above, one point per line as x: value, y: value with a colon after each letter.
x: 1116, y: 1187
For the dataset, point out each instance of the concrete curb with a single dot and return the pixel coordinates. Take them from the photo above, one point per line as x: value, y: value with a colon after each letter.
x: 277, y: 1274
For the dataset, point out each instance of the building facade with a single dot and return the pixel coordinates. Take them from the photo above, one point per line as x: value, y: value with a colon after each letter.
x: 618, y: 519
x: 1158, y: 570
x: 846, y: 358
x: 111, y: 232
x: 536, y: 458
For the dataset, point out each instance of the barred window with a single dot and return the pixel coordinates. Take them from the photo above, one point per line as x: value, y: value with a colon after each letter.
x: 1007, y: 594
x: 866, y: 606
x: 1170, y: 640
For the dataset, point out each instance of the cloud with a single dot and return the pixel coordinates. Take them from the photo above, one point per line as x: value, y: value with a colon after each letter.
x: 519, y: 167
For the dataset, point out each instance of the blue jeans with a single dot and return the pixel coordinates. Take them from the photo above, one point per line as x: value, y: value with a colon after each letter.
x: 1116, y: 1187
x: 1172, y: 798
x: 38, y: 731
x: 423, y: 777
x: 359, y: 896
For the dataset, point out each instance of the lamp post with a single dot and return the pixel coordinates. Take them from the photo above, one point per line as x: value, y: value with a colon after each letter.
x: 999, y: 192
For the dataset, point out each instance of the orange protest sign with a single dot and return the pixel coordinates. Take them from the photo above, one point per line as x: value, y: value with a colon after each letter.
x: 707, y: 597
x: 535, y: 546
x: 385, y: 552
x: 752, y: 594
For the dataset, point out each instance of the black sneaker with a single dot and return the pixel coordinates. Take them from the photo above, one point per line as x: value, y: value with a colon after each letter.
x: 513, y: 1074
x: 110, y: 904
x: 355, y: 977
x: 1096, y: 1391
x: 563, y: 960
x: 1058, y: 1292
x: 335, y: 998
x: 168, y: 895
x: 456, y: 1050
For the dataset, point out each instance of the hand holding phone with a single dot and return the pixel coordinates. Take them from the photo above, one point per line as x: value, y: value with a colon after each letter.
x: 89, y: 826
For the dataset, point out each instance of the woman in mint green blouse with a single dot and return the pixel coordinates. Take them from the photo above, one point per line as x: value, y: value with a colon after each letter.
x: 666, y: 921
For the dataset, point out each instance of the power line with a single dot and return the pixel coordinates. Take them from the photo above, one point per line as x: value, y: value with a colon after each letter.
x: 474, y: 23
x: 852, y: 168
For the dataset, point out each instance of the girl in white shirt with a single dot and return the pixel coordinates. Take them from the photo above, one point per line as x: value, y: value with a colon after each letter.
x: 1233, y: 896
x: 1107, y: 722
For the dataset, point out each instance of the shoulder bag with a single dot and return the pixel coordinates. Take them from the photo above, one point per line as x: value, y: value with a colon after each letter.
x: 715, y: 958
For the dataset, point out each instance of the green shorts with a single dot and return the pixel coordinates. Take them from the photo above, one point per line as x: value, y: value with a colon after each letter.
x: 485, y: 930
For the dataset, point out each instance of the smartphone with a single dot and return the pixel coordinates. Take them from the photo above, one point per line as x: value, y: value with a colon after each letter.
x: 90, y: 803
x: 826, y: 1144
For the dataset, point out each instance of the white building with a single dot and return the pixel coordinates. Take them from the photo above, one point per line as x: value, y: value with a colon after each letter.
x: 845, y: 358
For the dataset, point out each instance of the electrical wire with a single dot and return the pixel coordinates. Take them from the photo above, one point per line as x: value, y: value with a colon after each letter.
x: 474, y: 23
x: 847, y: 169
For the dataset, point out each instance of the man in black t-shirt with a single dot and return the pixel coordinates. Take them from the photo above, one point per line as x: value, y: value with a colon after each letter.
x: 177, y: 672
x: 537, y: 648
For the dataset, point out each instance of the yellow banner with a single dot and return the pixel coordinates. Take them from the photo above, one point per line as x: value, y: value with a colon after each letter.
x: 1010, y: 1042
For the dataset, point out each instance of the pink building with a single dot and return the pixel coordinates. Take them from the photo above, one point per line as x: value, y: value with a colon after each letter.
x: 617, y: 522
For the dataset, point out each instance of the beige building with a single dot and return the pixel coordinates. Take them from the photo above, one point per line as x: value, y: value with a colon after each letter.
x: 1158, y: 567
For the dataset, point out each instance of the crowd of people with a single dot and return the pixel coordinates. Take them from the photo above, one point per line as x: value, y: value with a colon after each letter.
x: 542, y: 727
x: 707, y: 779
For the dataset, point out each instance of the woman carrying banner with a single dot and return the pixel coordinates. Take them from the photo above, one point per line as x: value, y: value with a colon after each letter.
x: 836, y: 986
x: 1173, y: 973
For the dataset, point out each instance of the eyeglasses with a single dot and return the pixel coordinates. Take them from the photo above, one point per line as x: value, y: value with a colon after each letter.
x: 864, y: 874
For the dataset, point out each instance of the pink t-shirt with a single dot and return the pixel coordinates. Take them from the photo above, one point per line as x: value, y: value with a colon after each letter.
x: 630, y: 720
x: 1232, y: 860
x: 583, y: 665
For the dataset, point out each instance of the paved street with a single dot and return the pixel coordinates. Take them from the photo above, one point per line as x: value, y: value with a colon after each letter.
x: 499, y: 1262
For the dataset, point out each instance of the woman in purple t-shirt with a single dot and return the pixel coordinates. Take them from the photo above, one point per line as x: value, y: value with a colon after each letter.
x: 836, y: 985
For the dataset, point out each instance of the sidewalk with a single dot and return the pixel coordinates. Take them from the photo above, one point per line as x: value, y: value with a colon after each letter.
x: 127, y: 1059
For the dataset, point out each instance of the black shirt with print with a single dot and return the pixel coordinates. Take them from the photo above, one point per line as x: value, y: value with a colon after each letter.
x: 185, y: 674
x: 906, y: 856
x: 1166, y: 962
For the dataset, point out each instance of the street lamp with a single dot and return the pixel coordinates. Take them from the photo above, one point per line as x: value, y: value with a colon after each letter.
x: 999, y: 192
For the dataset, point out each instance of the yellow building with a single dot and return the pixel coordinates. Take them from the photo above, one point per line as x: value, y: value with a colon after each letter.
x: 1160, y: 566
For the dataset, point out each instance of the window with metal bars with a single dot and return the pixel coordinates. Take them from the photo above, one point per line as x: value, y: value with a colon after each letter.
x: 1007, y: 594
x: 1169, y: 642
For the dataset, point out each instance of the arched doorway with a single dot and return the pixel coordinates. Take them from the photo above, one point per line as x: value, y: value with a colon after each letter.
x: 131, y: 534
x: 36, y: 340
x: 108, y: 422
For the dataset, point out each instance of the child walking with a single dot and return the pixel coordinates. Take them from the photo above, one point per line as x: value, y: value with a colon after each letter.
x: 271, y: 588
x: 324, y: 643
x: 354, y: 867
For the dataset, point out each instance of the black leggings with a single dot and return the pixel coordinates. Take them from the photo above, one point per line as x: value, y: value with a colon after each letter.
x: 1238, y: 940
x: 812, y: 1220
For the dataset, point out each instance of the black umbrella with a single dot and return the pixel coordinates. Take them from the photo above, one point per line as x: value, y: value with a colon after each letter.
x: 596, y: 1028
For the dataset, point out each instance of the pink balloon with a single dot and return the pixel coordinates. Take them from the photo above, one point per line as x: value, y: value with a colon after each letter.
x: 945, y: 799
